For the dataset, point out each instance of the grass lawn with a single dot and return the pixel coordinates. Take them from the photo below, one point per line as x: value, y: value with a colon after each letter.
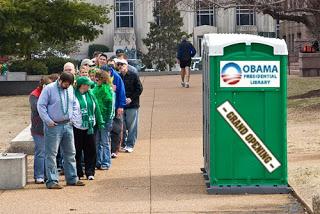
x: 301, y: 85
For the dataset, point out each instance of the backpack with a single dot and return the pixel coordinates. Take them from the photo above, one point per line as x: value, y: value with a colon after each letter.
x: 186, y: 51
x: 192, y: 51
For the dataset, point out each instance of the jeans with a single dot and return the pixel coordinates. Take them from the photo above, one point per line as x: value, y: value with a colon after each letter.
x: 131, y: 125
x: 60, y: 135
x: 59, y: 160
x: 116, y: 134
x: 39, y: 156
x: 103, y: 145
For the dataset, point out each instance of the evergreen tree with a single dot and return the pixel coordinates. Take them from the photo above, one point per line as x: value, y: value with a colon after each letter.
x: 29, y: 26
x: 164, y: 36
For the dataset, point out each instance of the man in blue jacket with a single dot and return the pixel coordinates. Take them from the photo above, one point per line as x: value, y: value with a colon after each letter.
x: 120, y: 103
x: 184, y: 54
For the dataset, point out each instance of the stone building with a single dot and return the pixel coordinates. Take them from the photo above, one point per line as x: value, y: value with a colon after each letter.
x: 296, y: 36
x: 130, y: 23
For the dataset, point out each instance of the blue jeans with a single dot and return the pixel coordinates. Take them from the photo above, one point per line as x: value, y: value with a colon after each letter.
x: 60, y: 135
x: 103, y: 145
x: 131, y: 117
x: 39, y: 156
x: 59, y: 160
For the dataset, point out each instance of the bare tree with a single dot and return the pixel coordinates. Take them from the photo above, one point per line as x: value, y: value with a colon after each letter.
x: 301, y: 11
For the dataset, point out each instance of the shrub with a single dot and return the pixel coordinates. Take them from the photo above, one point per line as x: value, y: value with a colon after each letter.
x: 97, y: 47
x: 55, y: 64
x: 31, y: 67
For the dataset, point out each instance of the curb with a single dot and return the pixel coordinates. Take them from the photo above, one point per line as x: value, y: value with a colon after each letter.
x: 301, y: 201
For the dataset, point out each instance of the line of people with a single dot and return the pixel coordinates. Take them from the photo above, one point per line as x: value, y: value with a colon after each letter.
x: 86, y: 117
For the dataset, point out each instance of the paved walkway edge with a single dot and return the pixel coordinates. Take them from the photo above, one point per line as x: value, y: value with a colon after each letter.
x: 301, y: 200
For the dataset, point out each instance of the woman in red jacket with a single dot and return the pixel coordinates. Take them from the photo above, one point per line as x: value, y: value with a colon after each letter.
x: 37, y: 132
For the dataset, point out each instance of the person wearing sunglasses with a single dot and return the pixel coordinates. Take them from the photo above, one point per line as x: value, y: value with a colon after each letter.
x: 134, y: 89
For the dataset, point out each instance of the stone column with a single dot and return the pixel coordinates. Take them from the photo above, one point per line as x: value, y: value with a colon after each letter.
x: 309, y: 64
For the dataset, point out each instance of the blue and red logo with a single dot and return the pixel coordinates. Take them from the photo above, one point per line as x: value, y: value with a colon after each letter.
x: 231, y: 73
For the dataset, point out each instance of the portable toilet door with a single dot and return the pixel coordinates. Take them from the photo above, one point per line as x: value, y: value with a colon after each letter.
x: 246, y: 79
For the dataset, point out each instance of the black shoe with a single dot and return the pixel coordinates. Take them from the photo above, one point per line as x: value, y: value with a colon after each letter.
x: 55, y: 186
x: 78, y: 183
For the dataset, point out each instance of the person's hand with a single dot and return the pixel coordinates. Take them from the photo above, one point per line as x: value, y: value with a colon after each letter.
x: 119, y: 112
x: 178, y: 61
x: 52, y: 124
x: 114, y: 87
x: 128, y: 101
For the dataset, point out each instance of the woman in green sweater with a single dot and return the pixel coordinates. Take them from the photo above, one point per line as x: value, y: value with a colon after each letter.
x: 86, y: 116
x: 105, y: 98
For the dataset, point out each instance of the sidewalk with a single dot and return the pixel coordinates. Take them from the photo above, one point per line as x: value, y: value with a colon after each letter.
x: 162, y: 175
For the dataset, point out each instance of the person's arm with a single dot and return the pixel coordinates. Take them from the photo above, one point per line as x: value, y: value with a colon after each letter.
x: 99, y: 119
x: 138, y: 87
x: 121, y: 93
x: 75, y: 105
x: 33, y: 102
x: 42, y: 107
x: 120, y: 97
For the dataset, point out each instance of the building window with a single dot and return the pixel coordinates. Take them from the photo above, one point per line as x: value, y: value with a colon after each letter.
x: 205, y: 13
x: 124, y: 13
x: 199, y: 40
x: 245, y: 16
x: 157, y: 8
x: 299, y: 35
x: 268, y: 34
x: 292, y: 45
x: 289, y: 42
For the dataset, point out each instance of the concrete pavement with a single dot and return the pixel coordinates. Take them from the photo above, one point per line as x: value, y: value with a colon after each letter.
x: 162, y: 175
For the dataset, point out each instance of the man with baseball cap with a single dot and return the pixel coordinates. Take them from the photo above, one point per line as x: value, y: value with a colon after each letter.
x: 134, y: 89
x: 87, y: 62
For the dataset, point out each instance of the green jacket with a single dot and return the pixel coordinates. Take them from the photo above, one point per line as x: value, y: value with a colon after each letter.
x: 105, y: 99
x: 98, y: 114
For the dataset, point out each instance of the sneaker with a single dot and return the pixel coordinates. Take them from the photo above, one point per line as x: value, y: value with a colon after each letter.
x: 78, y: 183
x: 129, y: 150
x: 123, y: 149
x: 114, y: 155
x: 104, y: 168
x: 182, y: 84
x: 55, y: 186
x: 91, y: 177
x: 187, y: 85
x: 39, y: 181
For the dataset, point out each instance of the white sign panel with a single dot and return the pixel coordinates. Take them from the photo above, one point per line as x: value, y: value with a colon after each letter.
x: 248, y: 136
x: 251, y: 74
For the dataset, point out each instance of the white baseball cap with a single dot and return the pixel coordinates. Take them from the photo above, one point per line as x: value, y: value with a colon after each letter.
x: 122, y: 61
x: 86, y: 61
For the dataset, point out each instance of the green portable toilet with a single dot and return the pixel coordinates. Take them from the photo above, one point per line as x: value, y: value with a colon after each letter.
x: 244, y: 114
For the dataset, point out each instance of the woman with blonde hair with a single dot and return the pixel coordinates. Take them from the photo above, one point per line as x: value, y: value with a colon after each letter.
x: 103, y: 91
